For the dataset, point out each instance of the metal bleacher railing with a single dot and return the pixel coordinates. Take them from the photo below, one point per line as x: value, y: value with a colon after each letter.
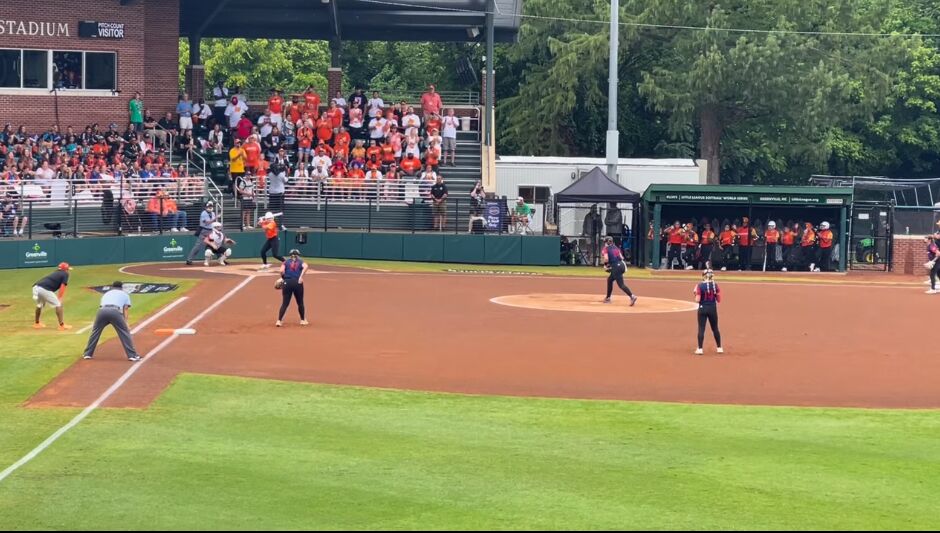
x: 110, y: 205
x: 257, y: 95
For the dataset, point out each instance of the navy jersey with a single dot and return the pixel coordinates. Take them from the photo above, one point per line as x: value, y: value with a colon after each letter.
x: 614, y: 255
x: 292, y: 269
x: 708, y: 292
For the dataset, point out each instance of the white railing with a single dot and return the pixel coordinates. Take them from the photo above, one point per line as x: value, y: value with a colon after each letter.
x: 63, y: 192
x: 306, y: 190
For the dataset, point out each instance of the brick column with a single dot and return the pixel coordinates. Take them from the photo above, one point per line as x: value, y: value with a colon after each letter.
x: 910, y: 254
x: 196, y: 82
x: 334, y: 78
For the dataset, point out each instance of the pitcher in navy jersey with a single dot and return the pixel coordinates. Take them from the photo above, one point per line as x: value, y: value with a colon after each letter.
x: 708, y: 296
x: 614, y: 263
x: 292, y: 272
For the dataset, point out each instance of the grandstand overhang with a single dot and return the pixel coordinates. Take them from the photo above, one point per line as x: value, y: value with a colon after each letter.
x: 351, y: 20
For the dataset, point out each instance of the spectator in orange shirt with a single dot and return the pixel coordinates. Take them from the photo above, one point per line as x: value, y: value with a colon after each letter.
x: 276, y: 107
x: 324, y: 128
x: 432, y: 157
x: 431, y: 102
x: 163, y: 209
x: 374, y: 150
x: 252, y: 154
x: 342, y: 137
x: 312, y: 102
x: 410, y: 165
x: 335, y: 114
x: 388, y: 154
x: 304, y: 140
x: 356, y: 177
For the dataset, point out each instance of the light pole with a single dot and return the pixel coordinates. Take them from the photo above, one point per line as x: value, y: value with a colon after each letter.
x: 612, y: 133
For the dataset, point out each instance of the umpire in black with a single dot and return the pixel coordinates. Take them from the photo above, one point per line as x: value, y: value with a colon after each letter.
x: 114, y: 308
x: 292, y: 286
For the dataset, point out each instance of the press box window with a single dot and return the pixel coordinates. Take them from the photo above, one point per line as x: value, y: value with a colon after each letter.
x: 534, y: 195
x: 100, y: 70
x: 10, y: 62
x: 67, y: 70
x: 35, y: 69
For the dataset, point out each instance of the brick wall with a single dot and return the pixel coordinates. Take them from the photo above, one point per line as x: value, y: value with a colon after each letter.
x: 147, y: 60
x: 910, y: 254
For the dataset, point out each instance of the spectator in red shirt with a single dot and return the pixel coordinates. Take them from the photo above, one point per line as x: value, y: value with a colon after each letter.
x: 431, y: 102
x: 335, y: 114
x: 312, y: 101
x: 276, y: 107
x: 324, y: 128
x: 243, y: 129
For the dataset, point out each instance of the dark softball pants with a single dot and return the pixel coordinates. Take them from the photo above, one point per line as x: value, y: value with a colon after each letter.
x: 616, y: 275
x: 292, y: 289
x: 708, y: 313
x: 271, y: 245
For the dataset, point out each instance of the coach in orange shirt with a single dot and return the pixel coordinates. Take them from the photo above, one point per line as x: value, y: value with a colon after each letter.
x: 272, y: 244
x: 746, y: 236
x: 807, y: 246
x: 675, y: 236
x: 726, y: 245
x: 788, y: 240
x: 707, y: 243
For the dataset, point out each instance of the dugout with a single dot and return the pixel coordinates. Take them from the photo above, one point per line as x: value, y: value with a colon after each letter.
x: 664, y: 204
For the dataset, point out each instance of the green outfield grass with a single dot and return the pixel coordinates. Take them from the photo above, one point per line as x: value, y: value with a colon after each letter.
x: 216, y: 452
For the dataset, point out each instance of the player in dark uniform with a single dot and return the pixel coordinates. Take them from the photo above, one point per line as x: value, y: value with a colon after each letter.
x: 614, y: 263
x: 708, y: 296
x: 292, y: 286
x: 44, y: 293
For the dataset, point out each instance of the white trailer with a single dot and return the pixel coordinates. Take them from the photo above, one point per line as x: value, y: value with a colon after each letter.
x: 538, y: 179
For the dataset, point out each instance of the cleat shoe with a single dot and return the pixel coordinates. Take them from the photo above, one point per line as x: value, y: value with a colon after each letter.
x: 87, y: 357
x: 64, y: 327
x: 633, y: 300
x: 278, y: 324
x: 606, y: 300
x: 134, y: 359
x: 699, y: 351
x: 721, y: 350
x: 39, y: 325
x: 206, y: 262
x: 784, y: 269
x: 189, y: 263
x: 304, y: 323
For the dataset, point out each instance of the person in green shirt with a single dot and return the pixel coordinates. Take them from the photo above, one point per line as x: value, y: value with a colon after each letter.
x: 136, y: 107
x: 520, y: 215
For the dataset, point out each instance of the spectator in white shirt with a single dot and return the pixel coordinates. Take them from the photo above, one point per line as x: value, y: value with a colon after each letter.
x: 220, y: 93
x: 216, y: 136
x: 234, y: 112
x: 340, y: 101
x: 413, y: 149
x: 376, y: 105
x: 320, y: 166
x: 373, y: 179
x: 377, y: 128
x: 205, y: 111
x: 410, y: 121
x: 450, y: 137
x: 265, y: 124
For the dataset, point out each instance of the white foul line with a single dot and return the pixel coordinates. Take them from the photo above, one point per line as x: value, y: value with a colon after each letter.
x: 122, y: 380
x: 84, y: 329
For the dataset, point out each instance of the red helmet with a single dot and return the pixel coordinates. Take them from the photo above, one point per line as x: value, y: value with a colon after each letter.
x: 64, y: 266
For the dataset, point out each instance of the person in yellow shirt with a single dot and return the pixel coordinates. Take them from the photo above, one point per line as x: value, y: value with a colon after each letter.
x: 236, y: 159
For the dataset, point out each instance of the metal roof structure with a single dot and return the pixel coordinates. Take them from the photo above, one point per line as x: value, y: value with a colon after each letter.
x: 351, y: 20
x: 924, y: 192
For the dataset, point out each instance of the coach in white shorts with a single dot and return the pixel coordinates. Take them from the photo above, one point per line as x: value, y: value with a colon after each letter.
x: 44, y: 293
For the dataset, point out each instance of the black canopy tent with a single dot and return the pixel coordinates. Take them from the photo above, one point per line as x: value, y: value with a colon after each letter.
x: 596, y: 187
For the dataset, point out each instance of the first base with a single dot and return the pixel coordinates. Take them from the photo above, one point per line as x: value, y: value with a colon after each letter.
x: 171, y: 331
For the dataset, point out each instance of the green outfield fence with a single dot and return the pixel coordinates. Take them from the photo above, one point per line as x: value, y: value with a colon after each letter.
x: 173, y: 247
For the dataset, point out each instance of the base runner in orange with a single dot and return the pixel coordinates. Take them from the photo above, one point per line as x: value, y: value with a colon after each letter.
x: 272, y: 244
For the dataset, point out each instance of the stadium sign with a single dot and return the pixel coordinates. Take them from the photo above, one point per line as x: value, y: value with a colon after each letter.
x: 713, y: 198
x: 36, y: 256
x: 173, y: 251
x: 32, y: 28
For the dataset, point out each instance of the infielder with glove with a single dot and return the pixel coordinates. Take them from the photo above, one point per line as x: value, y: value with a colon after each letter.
x: 614, y: 263
x: 291, y: 285
x: 218, y: 245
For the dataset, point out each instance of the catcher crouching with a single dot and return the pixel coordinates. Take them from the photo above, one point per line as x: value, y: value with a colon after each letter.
x: 291, y: 285
x: 218, y: 245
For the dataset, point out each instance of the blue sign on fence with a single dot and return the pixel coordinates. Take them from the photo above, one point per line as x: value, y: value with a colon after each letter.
x: 494, y: 215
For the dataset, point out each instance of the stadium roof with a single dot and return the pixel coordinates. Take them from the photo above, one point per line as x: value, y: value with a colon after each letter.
x: 350, y: 20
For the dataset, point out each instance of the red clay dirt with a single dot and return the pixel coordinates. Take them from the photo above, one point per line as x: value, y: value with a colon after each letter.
x: 801, y: 345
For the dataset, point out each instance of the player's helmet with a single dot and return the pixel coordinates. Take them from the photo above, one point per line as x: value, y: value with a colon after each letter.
x: 295, y: 252
x: 771, y: 224
x: 269, y: 216
x: 824, y: 225
x: 216, y: 225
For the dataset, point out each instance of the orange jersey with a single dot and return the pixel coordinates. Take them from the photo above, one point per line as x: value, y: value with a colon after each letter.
x: 772, y: 236
x: 675, y: 236
x: 341, y: 139
x: 410, y: 165
x: 304, y: 137
x: 690, y: 237
x: 708, y: 237
x: 789, y: 238
x: 388, y: 154
x: 252, y: 154
x: 270, y: 228
x: 727, y: 238
x: 809, y: 238
x: 825, y: 238
x: 276, y: 104
x: 312, y: 103
x: 324, y: 129
x: 336, y: 116
x: 374, y: 151
x: 744, y: 235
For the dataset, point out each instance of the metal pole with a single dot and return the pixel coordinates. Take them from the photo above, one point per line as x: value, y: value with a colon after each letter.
x: 612, y: 133
x: 74, y: 218
x: 370, y: 215
x: 30, y: 220
x: 490, y: 85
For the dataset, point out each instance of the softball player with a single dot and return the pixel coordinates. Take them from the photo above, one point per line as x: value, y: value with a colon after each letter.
x: 614, y: 263
x: 932, y: 264
x: 218, y: 245
x: 708, y: 296
x: 292, y: 286
x: 44, y: 292
x: 272, y: 244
